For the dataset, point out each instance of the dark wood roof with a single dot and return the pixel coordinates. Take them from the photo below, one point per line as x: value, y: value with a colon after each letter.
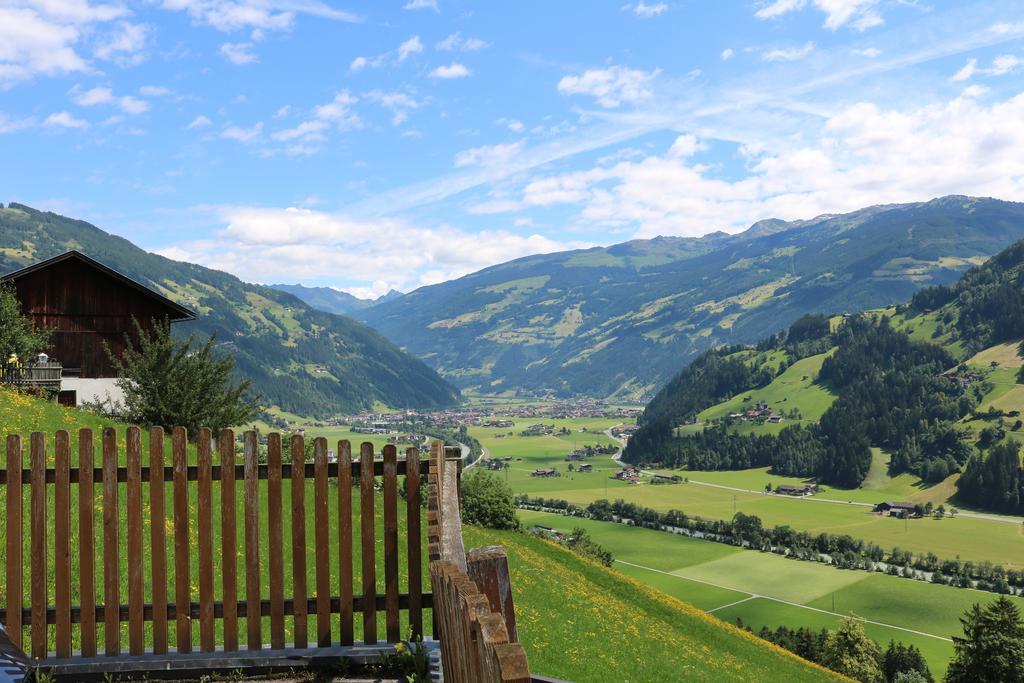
x: 176, y: 312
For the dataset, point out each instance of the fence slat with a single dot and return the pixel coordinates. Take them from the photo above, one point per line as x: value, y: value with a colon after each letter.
x: 275, y: 541
x: 158, y: 539
x: 367, y: 536
x: 322, y: 540
x: 111, y: 561
x: 229, y: 539
x: 86, y: 542
x: 182, y: 588
x: 14, y: 590
x: 62, y: 542
x: 204, y: 460
x: 345, y: 559
x: 253, y: 623
x: 37, y: 512
x: 301, y: 637
x: 391, y: 618
x: 414, y: 539
x: 136, y: 597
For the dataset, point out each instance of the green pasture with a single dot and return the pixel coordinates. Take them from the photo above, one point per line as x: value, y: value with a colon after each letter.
x: 786, y: 592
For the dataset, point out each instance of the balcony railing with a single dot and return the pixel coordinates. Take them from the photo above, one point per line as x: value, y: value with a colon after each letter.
x: 32, y: 375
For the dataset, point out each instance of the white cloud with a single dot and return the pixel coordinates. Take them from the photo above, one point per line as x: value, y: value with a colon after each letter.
x: 864, y: 155
x: 1001, y: 65
x: 283, y: 111
x: 869, y: 52
x: 397, y: 101
x: 514, y: 125
x: 413, y: 46
x: 64, y: 120
x: 792, y: 54
x: 642, y: 9
x: 422, y: 4
x: 339, y: 110
x: 199, y: 122
x: 9, y: 125
x: 456, y: 43
x: 859, y: 13
x: 308, y: 136
x: 265, y: 15
x: 125, y: 45
x: 102, y: 95
x: 612, y: 86
x: 489, y: 155
x: 244, y: 135
x: 307, y: 131
x: 238, y: 53
x: 269, y: 244
x: 155, y: 91
x: 448, y: 71
x: 727, y: 53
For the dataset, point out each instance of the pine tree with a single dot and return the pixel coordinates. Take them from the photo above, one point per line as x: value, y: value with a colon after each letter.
x: 992, y: 647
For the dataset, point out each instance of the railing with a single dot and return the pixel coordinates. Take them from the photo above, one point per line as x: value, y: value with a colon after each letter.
x: 202, y: 534
x: 32, y: 375
x: 473, y: 603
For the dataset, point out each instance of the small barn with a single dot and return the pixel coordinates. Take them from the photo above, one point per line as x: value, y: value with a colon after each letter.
x: 87, y: 305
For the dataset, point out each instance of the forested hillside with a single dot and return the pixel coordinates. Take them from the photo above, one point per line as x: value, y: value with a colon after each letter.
x: 933, y: 383
x: 332, y: 300
x: 621, y: 320
x: 303, y: 360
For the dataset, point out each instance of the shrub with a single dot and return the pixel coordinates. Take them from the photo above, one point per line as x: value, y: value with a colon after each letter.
x: 488, y: 501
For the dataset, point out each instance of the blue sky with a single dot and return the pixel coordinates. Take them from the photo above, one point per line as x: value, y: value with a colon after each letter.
x: 371, y: 145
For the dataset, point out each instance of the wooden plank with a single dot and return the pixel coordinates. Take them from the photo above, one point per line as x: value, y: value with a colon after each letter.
x: 488, y: 567
x: 301, y: 637
x: 111, y: 559
x: 229, y: 539
x: 158, y: 539
x: 37, y: 516
x: 86, y: 543
x: 182, y: 586
x: 14, y: 588
x: 136, y: 562
x: 368, y: 540
x: 322, y: 538
x: 253, y: 622
x: 62, y: 542
x: 275, y: 541
x: 345, y: 559
x: 414, y: 539
x: 391, y: 617
x: 204, y: 522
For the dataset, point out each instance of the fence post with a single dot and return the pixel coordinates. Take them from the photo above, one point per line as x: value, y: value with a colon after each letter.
x: 488, y: 567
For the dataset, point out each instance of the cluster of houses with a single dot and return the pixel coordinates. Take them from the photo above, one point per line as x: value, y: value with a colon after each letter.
x: 964, y: 378
x: 495, y: 464
x: 585, y: 452
x: 497, y: 424
x: 891, y: 508
x: 629, y: 474
x: 760, y: 412
x: 545, y: 473
x: 583, y: 467
x: 808, y: 489
x: 624, y: 431
x: 538, y: 430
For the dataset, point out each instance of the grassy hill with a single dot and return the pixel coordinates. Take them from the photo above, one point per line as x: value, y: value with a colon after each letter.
x: 582, y: 622
x: 299, y: 358
x: 619, y: 321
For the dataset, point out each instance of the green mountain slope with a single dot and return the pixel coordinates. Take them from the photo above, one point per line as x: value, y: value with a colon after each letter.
x: 304, y: 360
x: 332, y: 300
x: 619, y: 321
x: 935, y: 383
x: 582, y: 622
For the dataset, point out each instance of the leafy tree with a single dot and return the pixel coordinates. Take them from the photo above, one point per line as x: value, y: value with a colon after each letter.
x: 911, y: 677
x: 488, y: 501
x: 579, y: 541
x: 900, y: 660
x: 849, y: 651
x: 179, y: 383
x: 991, y: 649
x: 18, y: 335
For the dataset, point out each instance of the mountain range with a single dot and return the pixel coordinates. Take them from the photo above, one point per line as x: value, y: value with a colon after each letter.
x: 619, y: 321
x: 334, y: 300
x: 300, y: 359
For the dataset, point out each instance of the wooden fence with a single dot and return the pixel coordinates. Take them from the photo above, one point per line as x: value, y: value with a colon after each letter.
x: 473, y: 602
x: 59, y: 501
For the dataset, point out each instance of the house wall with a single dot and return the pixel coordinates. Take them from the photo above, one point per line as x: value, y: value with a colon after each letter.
x: 84, y: 308
x: 93, y: 389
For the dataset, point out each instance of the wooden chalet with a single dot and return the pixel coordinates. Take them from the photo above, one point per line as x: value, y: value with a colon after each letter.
x: 87, y: 305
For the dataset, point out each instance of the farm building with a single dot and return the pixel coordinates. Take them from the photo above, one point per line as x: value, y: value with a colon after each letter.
x: 544, y: 473
x: 586, y: 467
x: 896, y: 509
x: 88, y: 307
x: 788, y: 490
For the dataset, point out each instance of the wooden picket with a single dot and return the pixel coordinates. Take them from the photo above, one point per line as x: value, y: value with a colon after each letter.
x: 472, y: 595
x: 130, y: 478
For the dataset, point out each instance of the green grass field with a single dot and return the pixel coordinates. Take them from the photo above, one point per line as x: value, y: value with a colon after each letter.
x: 582, y: 622
x: 767, y: 589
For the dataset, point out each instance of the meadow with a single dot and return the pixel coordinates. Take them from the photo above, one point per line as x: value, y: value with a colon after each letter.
x: 763, y: 589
